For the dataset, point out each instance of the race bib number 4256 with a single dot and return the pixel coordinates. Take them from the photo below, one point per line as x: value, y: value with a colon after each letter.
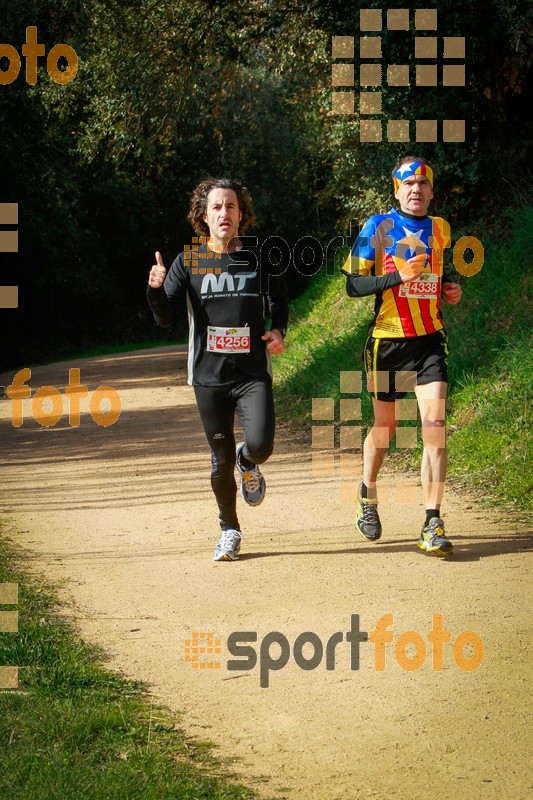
x: 228, y: 340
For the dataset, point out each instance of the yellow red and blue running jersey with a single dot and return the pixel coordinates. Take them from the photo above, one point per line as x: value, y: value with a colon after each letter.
x: 384, y: 244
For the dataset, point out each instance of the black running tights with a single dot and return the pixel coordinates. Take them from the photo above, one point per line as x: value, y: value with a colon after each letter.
x: 254, y: 404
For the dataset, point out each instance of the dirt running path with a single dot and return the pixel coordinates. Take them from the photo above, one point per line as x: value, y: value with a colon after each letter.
x: 125, y: 517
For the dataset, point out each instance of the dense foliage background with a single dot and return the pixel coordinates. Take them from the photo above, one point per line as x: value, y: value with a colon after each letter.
x: 169, y: 92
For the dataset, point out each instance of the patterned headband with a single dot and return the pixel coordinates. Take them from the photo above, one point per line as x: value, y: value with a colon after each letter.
x: 412, y: 168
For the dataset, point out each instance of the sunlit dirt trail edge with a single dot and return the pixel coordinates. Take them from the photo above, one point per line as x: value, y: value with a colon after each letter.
x: 125, y: 518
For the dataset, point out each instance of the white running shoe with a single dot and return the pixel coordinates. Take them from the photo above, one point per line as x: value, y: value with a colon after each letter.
x: 228, y: 546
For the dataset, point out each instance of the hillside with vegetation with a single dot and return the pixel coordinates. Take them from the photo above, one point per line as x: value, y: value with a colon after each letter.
x: 491, y: 361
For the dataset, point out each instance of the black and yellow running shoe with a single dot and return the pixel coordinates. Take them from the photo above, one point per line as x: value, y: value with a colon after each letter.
x: 433, y: 540
x: 367, y: 518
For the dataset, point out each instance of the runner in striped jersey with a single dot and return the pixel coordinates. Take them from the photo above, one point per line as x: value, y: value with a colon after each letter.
x: 398, y: 256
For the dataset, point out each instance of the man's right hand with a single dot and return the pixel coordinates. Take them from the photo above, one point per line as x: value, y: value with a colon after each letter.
x: 412, y: 268
x: 158, y: 272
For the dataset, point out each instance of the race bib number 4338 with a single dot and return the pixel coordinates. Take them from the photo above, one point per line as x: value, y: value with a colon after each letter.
x: 228, y: 340
x: 426, y: 286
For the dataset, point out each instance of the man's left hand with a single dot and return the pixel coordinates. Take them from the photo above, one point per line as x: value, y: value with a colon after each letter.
x: 452, y: 292
x: 274, y: 341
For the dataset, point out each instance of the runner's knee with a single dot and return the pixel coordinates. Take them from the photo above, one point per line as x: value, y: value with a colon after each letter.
x: 380, y: 435
x: 259, y: 451
x: 222, y: 462
x: 434, y: 433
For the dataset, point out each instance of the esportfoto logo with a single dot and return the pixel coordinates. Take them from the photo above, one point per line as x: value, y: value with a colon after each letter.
x: 409, y: 649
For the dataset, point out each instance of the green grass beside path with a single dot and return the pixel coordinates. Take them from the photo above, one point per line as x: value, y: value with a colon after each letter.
x: 76, y: 731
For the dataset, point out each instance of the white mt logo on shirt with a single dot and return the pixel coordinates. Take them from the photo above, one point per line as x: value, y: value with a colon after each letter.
x: 215, y: 284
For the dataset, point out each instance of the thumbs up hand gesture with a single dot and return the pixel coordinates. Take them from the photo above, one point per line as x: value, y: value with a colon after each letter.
x: 157, y: 273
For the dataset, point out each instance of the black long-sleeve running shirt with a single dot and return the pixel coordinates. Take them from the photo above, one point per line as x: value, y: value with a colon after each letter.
x: 223, y: 291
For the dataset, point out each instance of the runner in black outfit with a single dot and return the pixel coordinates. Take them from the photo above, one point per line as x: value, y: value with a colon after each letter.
x: 228, y: 297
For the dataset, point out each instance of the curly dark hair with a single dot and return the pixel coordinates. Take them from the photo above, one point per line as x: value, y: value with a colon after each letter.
x: 199, y: 197
x: 407, y: 160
